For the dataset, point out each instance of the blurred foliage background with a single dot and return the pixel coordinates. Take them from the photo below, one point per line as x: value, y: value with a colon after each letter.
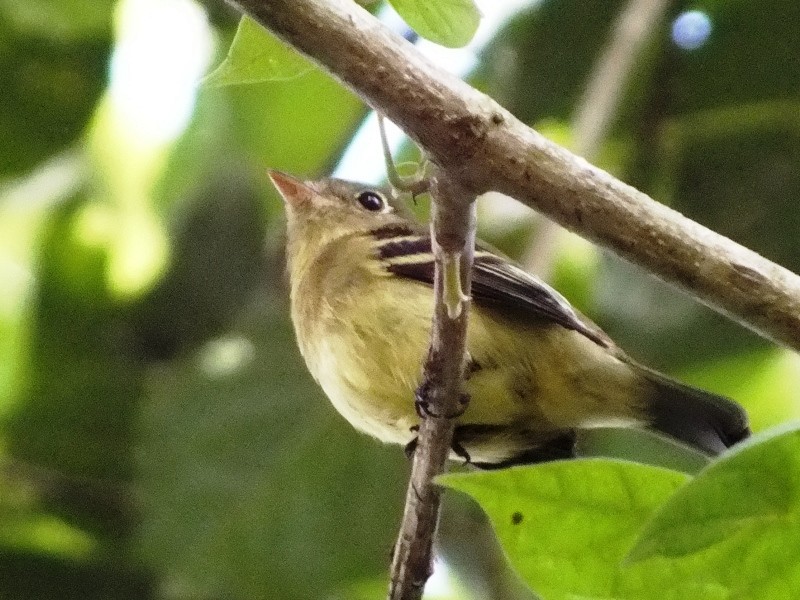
x: 159, y: 435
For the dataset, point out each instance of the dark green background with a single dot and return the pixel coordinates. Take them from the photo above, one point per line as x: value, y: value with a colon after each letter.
x: 128, y: 470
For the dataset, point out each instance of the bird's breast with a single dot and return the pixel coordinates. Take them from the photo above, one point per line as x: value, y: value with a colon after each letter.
x: 363, y: 338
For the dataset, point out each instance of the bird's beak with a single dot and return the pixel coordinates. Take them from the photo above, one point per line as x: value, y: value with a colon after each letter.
x: 294, y: 191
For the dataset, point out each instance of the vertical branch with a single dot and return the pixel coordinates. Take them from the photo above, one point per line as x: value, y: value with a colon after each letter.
x: 441, y: 394
x: 599, y: 103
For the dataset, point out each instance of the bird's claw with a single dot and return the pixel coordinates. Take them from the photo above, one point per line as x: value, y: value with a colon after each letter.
x: 411, y: 446
x: 423, y: 407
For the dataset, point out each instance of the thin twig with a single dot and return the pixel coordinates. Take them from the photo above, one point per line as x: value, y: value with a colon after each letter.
x: 417, y: 183
x: 599, y: 104
x: 606, y: 87
x: 486, y: 148
x: 453, y: 228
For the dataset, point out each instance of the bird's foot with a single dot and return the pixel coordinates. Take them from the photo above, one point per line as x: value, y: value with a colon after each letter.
x: 411, y: 446
x: 423, y: 406
x: 459, y: 450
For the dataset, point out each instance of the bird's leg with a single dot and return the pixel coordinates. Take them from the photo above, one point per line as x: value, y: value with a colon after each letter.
x: 411, y: 446
x: 456, y: 447
x: 460, y: 451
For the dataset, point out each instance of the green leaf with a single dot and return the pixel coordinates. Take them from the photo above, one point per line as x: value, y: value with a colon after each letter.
x: 753, y: 489
x: 566, y: 525
x: 733, y: 532
x: 297, y: 125
x: 451, y: 23
x: 256, y: 56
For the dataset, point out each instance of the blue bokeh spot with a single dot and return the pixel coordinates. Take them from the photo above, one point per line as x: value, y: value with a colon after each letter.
x: 691, y: 29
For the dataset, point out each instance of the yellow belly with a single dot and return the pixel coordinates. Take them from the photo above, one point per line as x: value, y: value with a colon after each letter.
x: 539, y: 379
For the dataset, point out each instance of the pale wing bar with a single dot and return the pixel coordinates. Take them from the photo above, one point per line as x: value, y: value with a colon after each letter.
x: 496, y: 283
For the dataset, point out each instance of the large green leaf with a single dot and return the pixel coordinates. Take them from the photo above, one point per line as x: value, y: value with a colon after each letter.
x: 734, y: 530
x: 299, y: 125
x: 566, y: 525
x: 451, y: 23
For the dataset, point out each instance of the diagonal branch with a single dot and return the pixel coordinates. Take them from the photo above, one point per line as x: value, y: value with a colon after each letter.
x: 483, y: 146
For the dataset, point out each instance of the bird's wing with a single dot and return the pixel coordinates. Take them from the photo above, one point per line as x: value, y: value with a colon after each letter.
x: 497, y: 283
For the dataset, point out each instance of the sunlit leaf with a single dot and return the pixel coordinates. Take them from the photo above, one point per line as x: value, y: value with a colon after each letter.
x: 255, y: 56
x: 566, y: 525
x: 732, y: 531
x: 752, y: 489
x: 451, y: 23
x: 298, y: 125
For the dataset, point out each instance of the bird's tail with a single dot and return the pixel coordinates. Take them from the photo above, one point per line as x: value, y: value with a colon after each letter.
x: 701, y: 419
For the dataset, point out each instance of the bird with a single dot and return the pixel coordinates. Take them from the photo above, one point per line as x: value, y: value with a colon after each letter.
x: 537, y: 371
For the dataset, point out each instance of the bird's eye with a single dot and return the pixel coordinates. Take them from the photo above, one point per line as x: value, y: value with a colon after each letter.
x: 371, y: 200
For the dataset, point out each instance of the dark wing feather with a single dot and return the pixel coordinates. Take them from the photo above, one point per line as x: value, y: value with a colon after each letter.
x: 496, y: 283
